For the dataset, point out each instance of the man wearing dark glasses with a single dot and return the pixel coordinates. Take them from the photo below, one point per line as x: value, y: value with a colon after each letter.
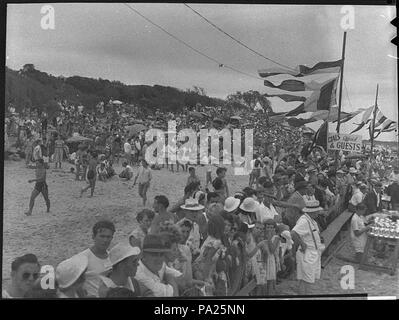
x: 25, y: 271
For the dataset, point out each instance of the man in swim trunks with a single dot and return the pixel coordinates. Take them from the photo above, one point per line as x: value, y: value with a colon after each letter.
x: 40, y: 187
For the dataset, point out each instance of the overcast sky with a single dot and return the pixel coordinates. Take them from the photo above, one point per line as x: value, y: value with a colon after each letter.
x: 112, y: 42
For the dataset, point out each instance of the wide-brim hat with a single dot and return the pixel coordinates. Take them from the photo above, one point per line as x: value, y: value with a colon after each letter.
x: 231, y: 204
x: 192, y: 205
x: 155, y: 243
x: 121, y: 252
x: 312, y: 206
x: 69, y: 271
x: 249, y: 205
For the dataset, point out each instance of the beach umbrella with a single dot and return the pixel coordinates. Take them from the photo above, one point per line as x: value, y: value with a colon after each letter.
x: 78, y: 139
x: 136, y: 128
x: 117, y: 102
x: 196, y: 114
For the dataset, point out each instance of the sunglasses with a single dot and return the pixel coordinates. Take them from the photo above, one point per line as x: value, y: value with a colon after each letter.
x: 26, y: 276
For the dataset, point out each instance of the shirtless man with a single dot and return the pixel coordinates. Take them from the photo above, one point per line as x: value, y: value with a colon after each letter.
x: 91, y: 175
x: 40, y: 187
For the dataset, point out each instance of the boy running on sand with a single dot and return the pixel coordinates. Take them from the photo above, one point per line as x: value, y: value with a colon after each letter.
x: 91, y: 175
x: 40, y: 187
x: 144, y: 176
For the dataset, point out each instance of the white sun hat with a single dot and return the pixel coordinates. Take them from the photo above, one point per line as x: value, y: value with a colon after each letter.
x: 192, y: 204
x: 68, y: 271
x: 249, y: 205
x: 231, y: 204
x: 122, y: 251
x: 312, y: 206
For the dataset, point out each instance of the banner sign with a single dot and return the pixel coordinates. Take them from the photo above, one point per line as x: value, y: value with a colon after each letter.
x: 344, y: 142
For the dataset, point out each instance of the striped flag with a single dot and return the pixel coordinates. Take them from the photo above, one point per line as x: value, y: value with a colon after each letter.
x: 365, y: 119
x: 387, y: 126
x: 382, y: 123
x: 314, y: 88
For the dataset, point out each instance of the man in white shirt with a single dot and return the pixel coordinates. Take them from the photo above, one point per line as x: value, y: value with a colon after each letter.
x: 358, y: 195
x: 99, y: 262
x: 266, y: 210
x: 358, y: 230
x: 154, y: 277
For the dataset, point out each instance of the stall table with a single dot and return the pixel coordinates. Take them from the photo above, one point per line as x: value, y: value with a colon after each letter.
x: 385, y: 230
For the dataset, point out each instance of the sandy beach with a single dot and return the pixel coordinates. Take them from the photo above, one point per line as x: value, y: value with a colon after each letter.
x: 66, y: 230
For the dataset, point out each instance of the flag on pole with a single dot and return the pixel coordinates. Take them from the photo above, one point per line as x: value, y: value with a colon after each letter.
x: 365, y: 119
x: 313, y: 88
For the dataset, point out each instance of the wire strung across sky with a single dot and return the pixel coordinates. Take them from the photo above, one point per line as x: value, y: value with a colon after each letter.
x: 236, y: 40
x: 220, y: 64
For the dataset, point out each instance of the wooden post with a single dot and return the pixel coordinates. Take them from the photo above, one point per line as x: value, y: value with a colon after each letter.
x: 372, y: 132
x: 340, y: 83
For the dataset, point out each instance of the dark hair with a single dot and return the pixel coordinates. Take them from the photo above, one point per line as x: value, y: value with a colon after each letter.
x: 162, y: 200
x: 257, y: 162
x: 103, y: 224
x: 27, y: 258
x: 124, y: 164
x: 191, y: 186
x: 323, y: 183
x: 361, y: 206
x: 270, y: 222
x: 120, y: 292
x: 212, y: 195
x: 249, y: 192
x: 170, y: 232
x: 187, y: 223
x: 220, y: 170
x: 145, y: 212
x: 228, y: 217
x: 216, y: 226
x: 191, y: 169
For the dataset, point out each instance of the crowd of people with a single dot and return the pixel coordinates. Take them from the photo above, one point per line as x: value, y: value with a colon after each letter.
x: 214, y: 240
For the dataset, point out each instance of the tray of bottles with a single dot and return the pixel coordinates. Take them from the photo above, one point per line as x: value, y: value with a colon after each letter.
x: 385, y: 228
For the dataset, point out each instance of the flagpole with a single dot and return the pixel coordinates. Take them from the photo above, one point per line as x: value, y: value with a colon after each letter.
x: 372, y: 130
x: 340, y: 83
